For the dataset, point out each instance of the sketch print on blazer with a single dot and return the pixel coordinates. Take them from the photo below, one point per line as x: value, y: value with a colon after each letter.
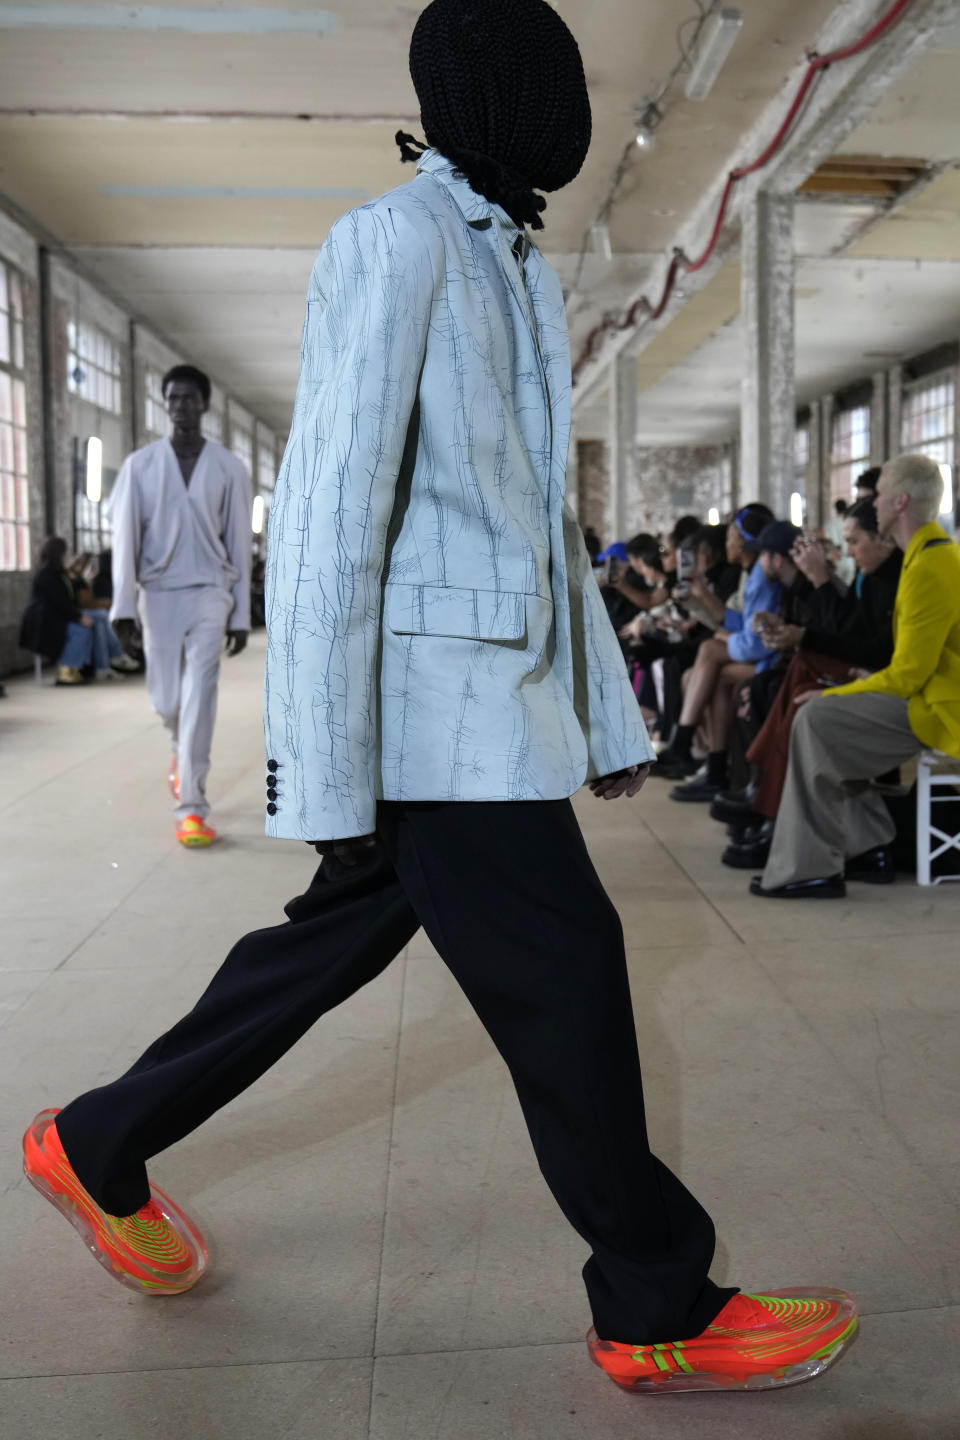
x: 435, y: 629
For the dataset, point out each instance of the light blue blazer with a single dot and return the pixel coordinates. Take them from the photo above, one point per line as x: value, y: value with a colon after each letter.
x: 434, y: 628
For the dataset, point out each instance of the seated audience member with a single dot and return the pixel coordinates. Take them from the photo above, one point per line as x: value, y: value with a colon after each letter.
x: 697, y: 608
x: 108, y: 657
x: 53, y: 624
x: 659, y: 633
x: 832, y: 825
x: 777, y: 546
x: 620, y: 594
x: 258, y: 580
x: 683, y: 533
x: 865, y: 485
x: 724, y: 661
x: 630, y: 582
x: 714, y: 580
x: 593, y: 543
x: 861, y: 643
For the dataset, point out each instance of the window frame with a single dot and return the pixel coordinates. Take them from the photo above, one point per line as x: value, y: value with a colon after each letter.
x: 15, y: 517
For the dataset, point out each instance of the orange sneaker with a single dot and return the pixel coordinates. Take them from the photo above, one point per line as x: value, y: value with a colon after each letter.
x: 192, y: 831
x: 173, y: 777
x: 157, y: 1251
x: 757, y: 1342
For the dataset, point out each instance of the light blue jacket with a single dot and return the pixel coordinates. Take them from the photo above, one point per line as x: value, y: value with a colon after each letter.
x: 744, y: 644
x: 434, y: 628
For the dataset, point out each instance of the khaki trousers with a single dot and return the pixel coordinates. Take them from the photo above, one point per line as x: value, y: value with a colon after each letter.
x: 183, y: 639
x: 830, y: 810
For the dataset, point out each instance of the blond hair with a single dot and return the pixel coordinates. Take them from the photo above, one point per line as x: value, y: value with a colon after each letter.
x: 919, y: 477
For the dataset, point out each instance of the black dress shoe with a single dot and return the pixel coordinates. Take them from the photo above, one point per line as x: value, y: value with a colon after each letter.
x: 833, y: 888
x: 746, y: 857
x: 731, y: 810
x: 696, y: 792
x: 873, y: 867
x: 671, y: 766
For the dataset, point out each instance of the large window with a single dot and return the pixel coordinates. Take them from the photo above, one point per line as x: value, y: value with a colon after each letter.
x: 929, y: 416
x: 241, y: 443
x: 212, y: 426
x: 14, y: 490
x: 266, y: 469
x: 849, y: 450
x: 93, y: 367
x: 928, y: 425
x: 155, y: 411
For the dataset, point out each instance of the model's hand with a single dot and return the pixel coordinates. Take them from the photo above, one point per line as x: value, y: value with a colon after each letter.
x: 86, y: 622
x: 807, y: 696
x: 348, y: 852
x: 130, y: 638
x: 627, y: 782
x: 236, y: 641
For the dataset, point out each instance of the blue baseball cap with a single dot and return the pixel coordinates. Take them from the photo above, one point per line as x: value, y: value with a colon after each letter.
x: 616, y: 551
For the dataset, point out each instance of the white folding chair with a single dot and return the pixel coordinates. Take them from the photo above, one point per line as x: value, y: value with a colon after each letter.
x: 931, y: 842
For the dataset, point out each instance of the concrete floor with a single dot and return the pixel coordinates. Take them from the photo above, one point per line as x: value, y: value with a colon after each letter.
x: 387, y: 1261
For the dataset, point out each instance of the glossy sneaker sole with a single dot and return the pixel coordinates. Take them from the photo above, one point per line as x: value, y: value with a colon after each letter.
x: 690, y: 1366
x: 154, y: 1280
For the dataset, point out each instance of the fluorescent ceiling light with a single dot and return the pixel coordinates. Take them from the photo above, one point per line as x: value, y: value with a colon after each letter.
x: 946, y: 504
x: 256, y: 522
x: 796, y: 508
x: 713, y: 516
x: 715, y: 43
x: 257, y: 21
x: 94, y: 469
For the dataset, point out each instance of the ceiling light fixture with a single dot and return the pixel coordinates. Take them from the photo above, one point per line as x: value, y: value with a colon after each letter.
x: 796, y: 509
x: 256, y: 522
x: 648, y: 118
x: 713, y: 516
x: 716, y: 42
x: 94, y: 469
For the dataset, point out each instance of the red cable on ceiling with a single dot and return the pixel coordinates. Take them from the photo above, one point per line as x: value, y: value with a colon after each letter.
x: 680, y: 261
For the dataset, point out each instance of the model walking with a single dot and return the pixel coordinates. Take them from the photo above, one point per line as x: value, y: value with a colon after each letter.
x: 180, y: 512
x: 441, y: 677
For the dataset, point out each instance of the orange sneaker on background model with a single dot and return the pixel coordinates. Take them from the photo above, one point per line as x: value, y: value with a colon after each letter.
x: 757, y: 1342
x: 173, y: 777
x: 158, y: 1251
x: 193, y: 832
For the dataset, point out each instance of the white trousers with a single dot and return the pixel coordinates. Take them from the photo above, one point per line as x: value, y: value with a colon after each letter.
x: 183, y: 634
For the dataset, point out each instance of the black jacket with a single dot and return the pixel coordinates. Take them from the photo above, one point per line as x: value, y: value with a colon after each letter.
x: 866, y: 637
x: 52, y: 607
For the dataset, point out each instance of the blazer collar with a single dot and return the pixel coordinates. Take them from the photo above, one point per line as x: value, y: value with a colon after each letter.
x: 478, y: 211
x: 933, y: 531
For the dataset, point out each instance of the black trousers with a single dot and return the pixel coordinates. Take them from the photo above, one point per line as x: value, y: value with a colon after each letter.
x: 510, y: 899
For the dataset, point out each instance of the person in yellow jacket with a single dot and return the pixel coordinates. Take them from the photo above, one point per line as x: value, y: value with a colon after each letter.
x: 833, y: 825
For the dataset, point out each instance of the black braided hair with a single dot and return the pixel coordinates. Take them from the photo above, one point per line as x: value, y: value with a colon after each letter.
x: 503, y: 96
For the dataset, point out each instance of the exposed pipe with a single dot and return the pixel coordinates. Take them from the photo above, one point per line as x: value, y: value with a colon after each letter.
x: 680, y: 261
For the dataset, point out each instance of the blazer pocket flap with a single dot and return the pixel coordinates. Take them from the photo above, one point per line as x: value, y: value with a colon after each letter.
x: 455, y: 613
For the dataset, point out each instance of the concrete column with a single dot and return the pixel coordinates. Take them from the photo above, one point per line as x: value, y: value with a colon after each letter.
x: 879, y: 419
x: 815, y: 466
x: 824, y: 507
x: 894, y: 414
x: 768, y: 401
x: 623, y: 439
